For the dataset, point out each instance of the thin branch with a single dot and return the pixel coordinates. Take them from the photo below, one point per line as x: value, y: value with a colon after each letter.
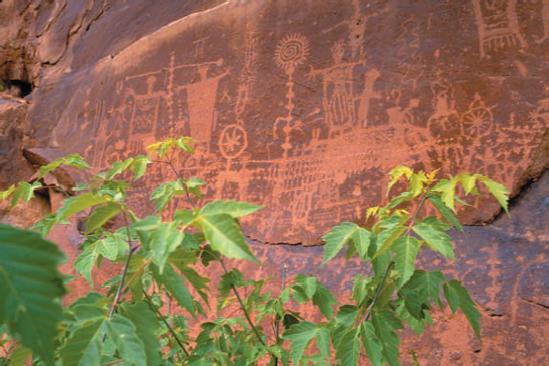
x: 166, y: 323
x: 242, y: 304
x: 378, y: 290
x: 126, y: 266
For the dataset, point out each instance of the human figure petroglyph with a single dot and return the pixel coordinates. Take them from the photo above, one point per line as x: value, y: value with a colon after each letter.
x: 201, y: 99
x: 497, y: 25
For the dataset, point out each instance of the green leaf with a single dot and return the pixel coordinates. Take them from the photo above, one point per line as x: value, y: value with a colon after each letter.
x: 323, y: 342
x: 20, y: 356
x: 164, y: 193
x: 448, y: 189
x: 193, y: 185
x: 371, y: 344
x: 406, y: 249
x: 5, y: 194
x: 362, y: 240
x: 416, y: 183
x: 498, y: 190
x: 445, y: 211
x: 426, y: 283
x: 225, y: 236
x: 396, y: 173
x: 175, y: 285
x: 101, y: 215
x: 412, y: 302
x: 118, y: 167
x: 432, y: 230
x: 76, y: 204
x: 147, y: 328
x: 199, y: 283
x: 300, y: 335
x: 84, y: 264
x: 348, y: 349
x: 123, y: 333
x: 325, y: 301
x: 467, y: 305
x: 233, y: 208
x: 452, y: 297
x: 164, y: 240
x: 31, y: 288
x: 139, y: 166
x: 84, y: 346
x: 393, y: 229
x: 385, y: 322
x: 468, y: 182
x: 337, y: 238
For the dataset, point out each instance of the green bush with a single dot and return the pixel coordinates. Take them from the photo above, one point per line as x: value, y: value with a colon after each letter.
x: 129, y: 322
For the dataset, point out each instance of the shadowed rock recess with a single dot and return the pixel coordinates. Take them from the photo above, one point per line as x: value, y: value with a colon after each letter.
x: 304, y: 106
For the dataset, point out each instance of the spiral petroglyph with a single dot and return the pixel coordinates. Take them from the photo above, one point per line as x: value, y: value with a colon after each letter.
x: 291, y: 51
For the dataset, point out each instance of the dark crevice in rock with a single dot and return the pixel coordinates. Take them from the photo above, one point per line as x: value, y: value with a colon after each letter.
x: 534, y: 302
x: 271, y: 243
x: 20, y: 88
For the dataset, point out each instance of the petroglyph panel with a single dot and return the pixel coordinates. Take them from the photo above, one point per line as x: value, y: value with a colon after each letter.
x: 305, y: 109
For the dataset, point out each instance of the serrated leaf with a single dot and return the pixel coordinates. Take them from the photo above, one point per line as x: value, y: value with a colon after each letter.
x: 123, y: 333
x: 164, y: 240
x: 323, y: 342
x: 396, y: 173
x: 499, y: 191
x: 416, y: 183
x: 325, y: 300
x: 426, y: 283
x: 118, y: 168
x: 371, y: 344
x: 175, y: 285
x: 5, y: 194
x: 385, y: 323
x: 412, y: 302
x: 76, y: 204
x: 233, y: 208
x: 448, y: 189
x: 147, y: 328
x: 361, y: 239
x: 393, y: 229
x: 84, y: 346
x: 337, y: 238
x: 84, y: 264
x: 468, y: 182
x: 300, y: 335
x: 199, y: 283
x: 164, y: 193
x: 139, y: 166
x: 445, y: 211
x: 467, y: 305
x: 225, y: 236
x: 432, y: 231
x: 101, y: 215
x: 452, y: 297
x: 27, y: 189
x: 405, y: 249
x: 30, y: 289
x: 348, y: 349
x: 20, y: 356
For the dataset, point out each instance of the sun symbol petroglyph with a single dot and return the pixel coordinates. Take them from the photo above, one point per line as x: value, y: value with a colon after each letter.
x: 291, y: 52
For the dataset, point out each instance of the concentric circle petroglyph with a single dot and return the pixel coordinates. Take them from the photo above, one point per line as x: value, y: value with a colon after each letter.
x: 291, y: 51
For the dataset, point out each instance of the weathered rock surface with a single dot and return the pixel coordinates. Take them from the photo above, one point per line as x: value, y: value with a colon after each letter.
x: 304, y: 107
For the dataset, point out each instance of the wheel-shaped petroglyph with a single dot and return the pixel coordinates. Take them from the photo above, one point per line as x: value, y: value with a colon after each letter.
x: 477, y: 122
x: 233, y: 141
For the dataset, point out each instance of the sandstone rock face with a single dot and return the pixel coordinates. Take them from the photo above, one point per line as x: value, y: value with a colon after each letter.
x: 304, y: 106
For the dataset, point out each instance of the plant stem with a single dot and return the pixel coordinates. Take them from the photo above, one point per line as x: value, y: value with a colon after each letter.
x: 242, y: 304
x: 126, y: 266
x: 166, y: 323
x: 378, y: 290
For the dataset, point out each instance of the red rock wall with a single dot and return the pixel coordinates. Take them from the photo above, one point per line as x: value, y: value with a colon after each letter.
x: 304, y: 106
